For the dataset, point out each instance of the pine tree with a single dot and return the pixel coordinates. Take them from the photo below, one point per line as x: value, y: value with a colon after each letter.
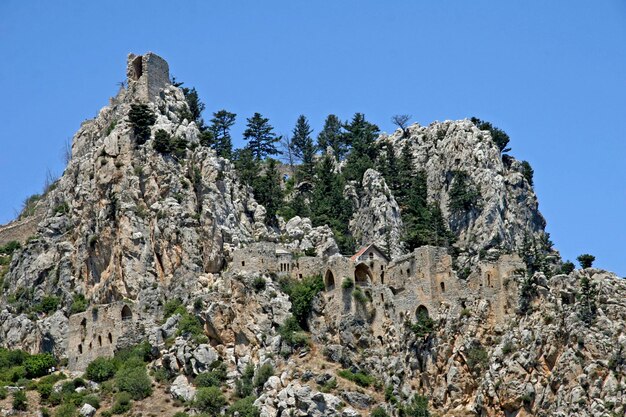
x: 361, y: 137
x: 261, y: 137
x: 331, y: 136
x: 196, y: 107
x: 221, y: 123
x: 268, y: 192
x: 246, y: 165
x: 303, y: 148
x: 141, y: 118
x: 328, y: 205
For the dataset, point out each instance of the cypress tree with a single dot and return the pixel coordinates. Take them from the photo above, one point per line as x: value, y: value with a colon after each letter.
x: 261, y: 137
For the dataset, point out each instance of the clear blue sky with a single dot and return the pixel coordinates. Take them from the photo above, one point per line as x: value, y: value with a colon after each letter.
x: 551, y: 74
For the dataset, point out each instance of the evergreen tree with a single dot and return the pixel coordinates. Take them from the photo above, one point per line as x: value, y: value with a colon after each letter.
x: 196, y: 107
x: 585, y: 260
x: 302, y: 145
x: 261, y: 137
x: 141, y: 118
x: 361, y: 137
x: 332, y: 136
x: 246, y: 165
x: 221, y: 123
x: 268, y: 192
x: 328, y: 205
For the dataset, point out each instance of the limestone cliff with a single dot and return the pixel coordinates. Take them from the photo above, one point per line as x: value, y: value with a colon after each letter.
x: 131, y: 229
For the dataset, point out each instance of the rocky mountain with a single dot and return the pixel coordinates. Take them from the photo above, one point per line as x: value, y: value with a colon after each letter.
x: 173, y: 248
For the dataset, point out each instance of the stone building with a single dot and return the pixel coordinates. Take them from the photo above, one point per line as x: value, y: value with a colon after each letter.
x: 101, y: 330
x: 397, y: 289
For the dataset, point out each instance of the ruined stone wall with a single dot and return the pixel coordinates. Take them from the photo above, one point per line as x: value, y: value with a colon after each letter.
x: 20, y: 230
x: 99, y: 331
x: 147, y: 75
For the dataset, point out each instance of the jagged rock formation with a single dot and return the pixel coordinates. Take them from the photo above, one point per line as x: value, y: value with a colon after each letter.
x: 377, y: 217
x: 130, y: 227
x: 507, y: 209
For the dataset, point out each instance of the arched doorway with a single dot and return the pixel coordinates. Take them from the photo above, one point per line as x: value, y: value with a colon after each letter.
x: 126, y: 313
x: 329, y: 281
x: 362, y: 275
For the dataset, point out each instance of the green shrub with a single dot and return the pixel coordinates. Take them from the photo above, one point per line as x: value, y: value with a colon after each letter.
x: 347, y: 283
x: 172, y: 307
x: 189, y: 324
x: 379, y: 412
x: 181, y: 414
x: 101, y: 369
x: 122, y: 403
x: 10, y: 247
x: 301, y: 294
x: 262, y: 375
x: 20, y: 402
x: 243, y: 386
x: 44, y: 390
x: 359, y: 378
x: 134, y: 381
x: 418, y: 407
x: 329, y: 385
x: 259, y: 284
x: 65, y: 410
x: 424, y: 325
x: 213, y: 378
x: 3, y: 393
x: 209, y: 400
x: 37, y: 365
x: 79, y: 304
x: 245, y: 407
x: 62, y: 208
x: 92, y: 400
x: 45, y: 412
x: 135, y: 355
x: 292, y: 334
x: 477, y: 358
x: 465, y: 313
x: 359, y: 296
x: 48, y: 304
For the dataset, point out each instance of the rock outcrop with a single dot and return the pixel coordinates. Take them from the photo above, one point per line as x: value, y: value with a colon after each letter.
x: 126, y: 225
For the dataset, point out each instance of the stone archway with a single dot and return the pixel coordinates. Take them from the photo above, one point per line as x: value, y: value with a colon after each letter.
x: 362, y: 275
x: 126, y: 313
x: 329, y: 281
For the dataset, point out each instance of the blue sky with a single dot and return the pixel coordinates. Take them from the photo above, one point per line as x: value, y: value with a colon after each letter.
x: 551, y: 74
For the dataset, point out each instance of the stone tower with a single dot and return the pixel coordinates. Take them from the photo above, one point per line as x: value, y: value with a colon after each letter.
x: 147, y: 75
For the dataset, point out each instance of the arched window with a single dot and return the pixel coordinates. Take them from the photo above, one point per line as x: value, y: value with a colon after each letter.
x: 99, y: 340
x: 382, y: 277
x: 329, y: 281
x: 80, y: 348
x: 489, y: 279
x: 421, y: 312
x: 126, y: 313
x: 110, y: 339
x: 443, y: 286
